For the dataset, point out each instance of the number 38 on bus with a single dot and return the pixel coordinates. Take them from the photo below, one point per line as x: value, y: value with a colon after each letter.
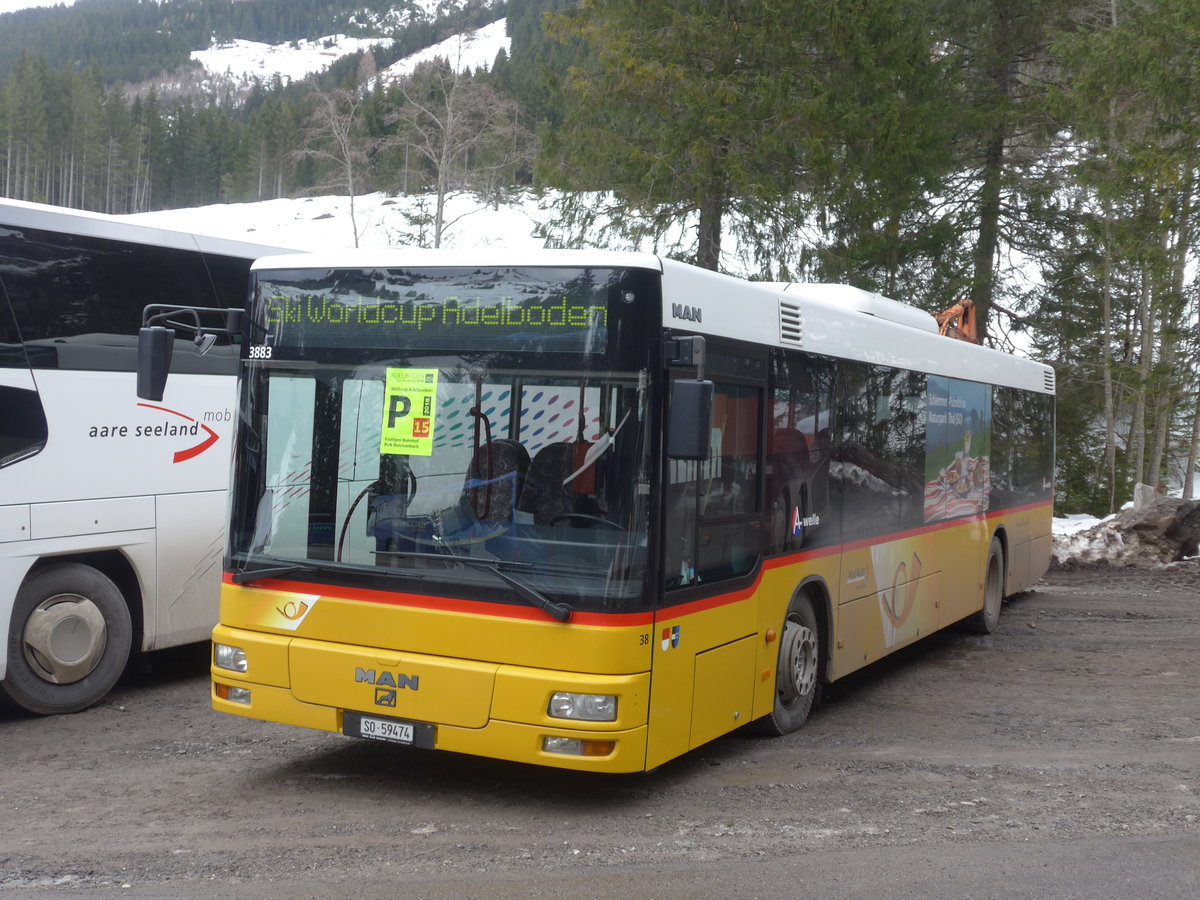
x: 593, y: 509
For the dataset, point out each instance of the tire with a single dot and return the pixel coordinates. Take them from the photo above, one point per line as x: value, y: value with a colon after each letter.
x: 798, y: 670
x: 68, y: 641
x: 987, y: 619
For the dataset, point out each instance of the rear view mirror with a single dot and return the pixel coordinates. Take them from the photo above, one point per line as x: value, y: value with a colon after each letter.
x: 155, y: 346
x: 689, y: 421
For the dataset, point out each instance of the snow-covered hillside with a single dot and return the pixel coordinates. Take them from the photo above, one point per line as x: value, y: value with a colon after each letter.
x: 240, y: 62
x: 469, y: 51
x: 234, y: 66
x: 7, y: 6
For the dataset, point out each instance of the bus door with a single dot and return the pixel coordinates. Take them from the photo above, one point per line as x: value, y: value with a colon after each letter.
x: 704, y: 640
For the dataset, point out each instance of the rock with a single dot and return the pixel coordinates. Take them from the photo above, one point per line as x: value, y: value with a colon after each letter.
x: 1144, y: 495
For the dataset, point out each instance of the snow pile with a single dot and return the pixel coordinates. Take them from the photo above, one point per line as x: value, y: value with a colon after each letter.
x: 1164, y: 532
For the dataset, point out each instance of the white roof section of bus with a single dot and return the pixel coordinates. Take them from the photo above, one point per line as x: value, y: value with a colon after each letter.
x: 837, y: 320
x: 20, y: 214
x: 418, y: 258
x: 865, y: 302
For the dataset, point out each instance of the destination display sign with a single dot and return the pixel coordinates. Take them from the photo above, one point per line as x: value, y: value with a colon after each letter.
x: 533, y: 309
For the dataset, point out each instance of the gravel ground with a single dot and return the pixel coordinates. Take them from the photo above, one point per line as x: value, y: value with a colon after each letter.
x: 1059, y: 756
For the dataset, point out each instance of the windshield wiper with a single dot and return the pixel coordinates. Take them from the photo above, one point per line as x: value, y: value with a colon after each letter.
x: 559, y: 611
x: 244, y: 576
x: 525, y: 591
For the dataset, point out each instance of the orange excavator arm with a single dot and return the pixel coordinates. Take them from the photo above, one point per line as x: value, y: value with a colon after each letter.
x: 959, y: 322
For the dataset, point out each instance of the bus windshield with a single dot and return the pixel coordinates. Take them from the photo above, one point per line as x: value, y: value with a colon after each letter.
x: 460, y: 433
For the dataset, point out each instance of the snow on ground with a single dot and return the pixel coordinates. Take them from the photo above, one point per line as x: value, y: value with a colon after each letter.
x: 322, y: 223
x: 390, y: 221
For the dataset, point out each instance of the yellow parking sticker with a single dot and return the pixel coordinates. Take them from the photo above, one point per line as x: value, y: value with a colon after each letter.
x: 409, y: 403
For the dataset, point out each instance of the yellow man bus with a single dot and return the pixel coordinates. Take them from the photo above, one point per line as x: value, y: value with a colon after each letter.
x: 595, y: 509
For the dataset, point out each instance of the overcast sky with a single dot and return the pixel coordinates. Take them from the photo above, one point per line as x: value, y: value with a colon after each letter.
x: 11, y: 5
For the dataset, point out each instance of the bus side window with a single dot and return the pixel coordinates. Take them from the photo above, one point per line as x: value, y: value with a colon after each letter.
x: 23, y: 429
x: 880, y: 474
x: 712, y: 519
x: 798, y: 451
x: 75, y: 298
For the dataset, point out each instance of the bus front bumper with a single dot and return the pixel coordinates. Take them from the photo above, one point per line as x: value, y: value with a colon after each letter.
x: 489, y: 710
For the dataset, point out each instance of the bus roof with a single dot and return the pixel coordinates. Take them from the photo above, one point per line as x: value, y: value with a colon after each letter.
x: 836, y: 320
x: 21, y: 214
x: 416, y: 257
x: 828, y: 319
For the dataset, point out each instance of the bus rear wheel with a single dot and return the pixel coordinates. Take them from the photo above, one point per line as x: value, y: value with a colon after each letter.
x: 987, y: 619
x: 798, y: 671
x: 69, y: 640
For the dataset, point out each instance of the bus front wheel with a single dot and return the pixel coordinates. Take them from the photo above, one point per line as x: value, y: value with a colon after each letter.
x: 68, y: 641
x: 798, y: 671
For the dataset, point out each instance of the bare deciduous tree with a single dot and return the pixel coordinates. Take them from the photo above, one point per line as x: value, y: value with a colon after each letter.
x: 335, y: 137
x: 457, y: 133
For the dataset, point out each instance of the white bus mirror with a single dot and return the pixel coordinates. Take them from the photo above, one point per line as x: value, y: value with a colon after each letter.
x: 155, y: 346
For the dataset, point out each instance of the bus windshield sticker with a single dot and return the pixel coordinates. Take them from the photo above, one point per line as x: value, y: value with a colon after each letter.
x: 409, y: 404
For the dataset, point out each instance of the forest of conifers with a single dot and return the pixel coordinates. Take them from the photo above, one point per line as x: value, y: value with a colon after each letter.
x: 1039, y: 157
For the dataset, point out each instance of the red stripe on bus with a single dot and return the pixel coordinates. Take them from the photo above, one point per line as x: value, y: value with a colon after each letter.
x: 444, y: 604
x: 613, y: 620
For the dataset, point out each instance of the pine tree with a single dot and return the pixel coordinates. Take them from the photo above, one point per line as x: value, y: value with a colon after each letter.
x: 687, y: 110
x: 1132, y: 71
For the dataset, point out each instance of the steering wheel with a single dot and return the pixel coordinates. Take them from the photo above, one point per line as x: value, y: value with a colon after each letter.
x: 584, y: 517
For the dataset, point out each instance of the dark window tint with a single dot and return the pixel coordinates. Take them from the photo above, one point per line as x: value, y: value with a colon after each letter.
x: 12, y: 351
x: 22, y: 420
x: 22, y: 424
x: 799, y: 442
x: 78, y: 300
x: 230, y: 279
x: 713, y: 523
x: 1022, y: 448
x: 878, y: 472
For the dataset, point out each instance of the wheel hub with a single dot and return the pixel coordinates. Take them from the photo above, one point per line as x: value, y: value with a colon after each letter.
x: 798, y: 668
x: 64, y: 638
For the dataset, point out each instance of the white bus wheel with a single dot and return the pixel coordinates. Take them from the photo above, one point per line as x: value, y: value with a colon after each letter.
x: 986, y: 620
x: 798, y: 671
x: 68, y: 641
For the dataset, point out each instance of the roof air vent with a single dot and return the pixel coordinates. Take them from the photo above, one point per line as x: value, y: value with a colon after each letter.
x: 791, y: 323
x: 1048, y: 376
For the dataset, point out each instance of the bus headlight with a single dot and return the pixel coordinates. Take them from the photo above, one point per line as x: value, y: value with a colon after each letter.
x: 231, y: 658
x: 587, y: 707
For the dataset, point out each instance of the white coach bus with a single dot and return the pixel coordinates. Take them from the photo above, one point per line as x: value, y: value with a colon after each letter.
x: 111, y: 509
